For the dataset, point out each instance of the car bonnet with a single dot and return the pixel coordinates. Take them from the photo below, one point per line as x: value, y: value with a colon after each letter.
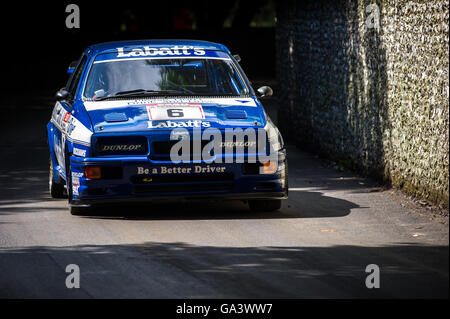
x: 132, y: 115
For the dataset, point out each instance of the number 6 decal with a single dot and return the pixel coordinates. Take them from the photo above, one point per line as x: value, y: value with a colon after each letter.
x: 159, y: 112
x: 175, y: 113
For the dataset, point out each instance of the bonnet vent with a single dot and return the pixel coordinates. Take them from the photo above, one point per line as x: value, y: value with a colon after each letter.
x: 116, y: 117
x: 235, y: 114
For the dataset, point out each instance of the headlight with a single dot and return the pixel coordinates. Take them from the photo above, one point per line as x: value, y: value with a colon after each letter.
x: 274, y: 136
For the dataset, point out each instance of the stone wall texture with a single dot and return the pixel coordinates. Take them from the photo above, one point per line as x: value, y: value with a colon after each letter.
x: 373, y: 96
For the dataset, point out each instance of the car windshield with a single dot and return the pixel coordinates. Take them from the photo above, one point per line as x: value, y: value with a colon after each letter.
x: 177, y: 76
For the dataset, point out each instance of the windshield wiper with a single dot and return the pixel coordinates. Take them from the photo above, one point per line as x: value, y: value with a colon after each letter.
x: 142, y: 93
x: 150, y: 92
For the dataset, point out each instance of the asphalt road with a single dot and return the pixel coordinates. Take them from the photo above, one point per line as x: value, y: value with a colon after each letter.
x: 332, y: 226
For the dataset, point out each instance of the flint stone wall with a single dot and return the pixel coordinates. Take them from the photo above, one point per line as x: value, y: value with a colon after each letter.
x: 373, y: 96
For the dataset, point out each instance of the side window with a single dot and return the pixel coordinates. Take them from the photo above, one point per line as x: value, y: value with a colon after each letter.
x: 76, y: 76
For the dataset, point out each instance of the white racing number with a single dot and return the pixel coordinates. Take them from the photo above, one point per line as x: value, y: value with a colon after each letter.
x: 158, y: 112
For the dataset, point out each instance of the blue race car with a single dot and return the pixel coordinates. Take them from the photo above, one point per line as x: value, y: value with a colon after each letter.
x: 163, y: 119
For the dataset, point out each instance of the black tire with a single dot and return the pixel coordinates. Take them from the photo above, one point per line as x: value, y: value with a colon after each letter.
x: 56, y: 189
x: 265, y: 205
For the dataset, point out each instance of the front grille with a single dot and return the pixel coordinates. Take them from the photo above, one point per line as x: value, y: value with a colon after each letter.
x: 161, y: 149
x: 121, y: 145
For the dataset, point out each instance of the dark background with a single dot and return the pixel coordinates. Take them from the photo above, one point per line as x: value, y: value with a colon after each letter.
x: 37, y: 47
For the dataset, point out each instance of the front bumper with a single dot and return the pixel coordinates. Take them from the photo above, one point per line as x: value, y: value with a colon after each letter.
x: 138, y: 179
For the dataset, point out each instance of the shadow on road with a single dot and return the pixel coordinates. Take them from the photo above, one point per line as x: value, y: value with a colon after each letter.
x: 180, y: 270
x: 307, y: 205
x: 27, y: 194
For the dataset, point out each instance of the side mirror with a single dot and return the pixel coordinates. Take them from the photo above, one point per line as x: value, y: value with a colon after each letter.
x: 237, y: 57
x: 62, y: 95
x: 265, y: 91
x: 72, y: 67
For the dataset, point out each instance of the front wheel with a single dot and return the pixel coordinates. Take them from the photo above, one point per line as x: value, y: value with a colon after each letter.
x: 265, y: 205
x: 56, y: 189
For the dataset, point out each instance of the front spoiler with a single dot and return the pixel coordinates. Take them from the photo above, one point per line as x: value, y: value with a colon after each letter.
x: 199, y: 197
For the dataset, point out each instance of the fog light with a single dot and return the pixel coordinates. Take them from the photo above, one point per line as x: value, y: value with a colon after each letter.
x: 93, y: 172
x: 269, y: 167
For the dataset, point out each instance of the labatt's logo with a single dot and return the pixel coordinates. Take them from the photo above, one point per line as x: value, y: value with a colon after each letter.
x: 172, y: 124
x: 149, y: 51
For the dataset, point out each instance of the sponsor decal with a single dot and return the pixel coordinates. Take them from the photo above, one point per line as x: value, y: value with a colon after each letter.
x: 179, y: 124
x: 76, y: 178
x: 67, y: 117
x: 239, y: 144
x: 149, y: 51
x: 75, y: 189
x: 79, y: 152
x: 164, y: 170
x: 192, y: 111
x: 77, y: 132
x: 76, y: 182
x: 68, y: 125
x: 179, y: 134
x: 59, y: 114
x: 122, y: 147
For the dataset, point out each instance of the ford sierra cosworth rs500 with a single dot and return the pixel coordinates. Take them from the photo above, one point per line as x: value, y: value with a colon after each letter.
x: 163, y: 119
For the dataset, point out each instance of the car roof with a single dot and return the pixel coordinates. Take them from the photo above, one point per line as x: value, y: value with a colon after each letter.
x: 106, y: 47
